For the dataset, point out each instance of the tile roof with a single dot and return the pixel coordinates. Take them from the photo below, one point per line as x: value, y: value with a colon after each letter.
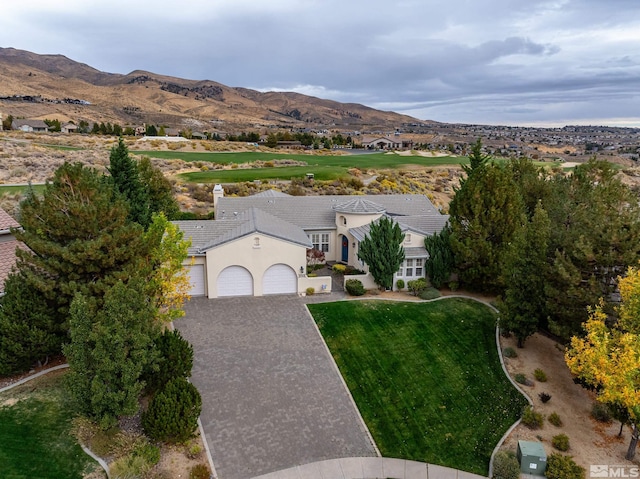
x: 316, y: 212
x: 359, y: 206
x: 270, y: 194
x: 6, y: 221
x: 209, y: 234
x: 8, y: 258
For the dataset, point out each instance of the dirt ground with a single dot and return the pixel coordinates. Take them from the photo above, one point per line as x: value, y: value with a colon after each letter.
x: 590, y: 442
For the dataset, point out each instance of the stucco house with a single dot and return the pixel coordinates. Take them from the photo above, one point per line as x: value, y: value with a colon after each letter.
x: 257, y: 244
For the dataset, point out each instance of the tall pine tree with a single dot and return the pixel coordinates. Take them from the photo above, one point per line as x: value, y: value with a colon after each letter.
x: 126, y: 181
x: 382, y: 250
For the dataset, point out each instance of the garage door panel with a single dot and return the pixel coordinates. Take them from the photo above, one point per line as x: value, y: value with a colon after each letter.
x: 195, y: 273
x: 235, y: 281
x: 280, y: 279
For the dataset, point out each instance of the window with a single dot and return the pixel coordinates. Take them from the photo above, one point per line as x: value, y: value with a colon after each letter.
x: 407, y: 238
x: 409, y: 267
x: 320, y: 241
x: 412, y: 268
x: 419, y: 264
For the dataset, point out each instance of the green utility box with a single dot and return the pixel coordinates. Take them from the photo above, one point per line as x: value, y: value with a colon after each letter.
x: 533, y: 459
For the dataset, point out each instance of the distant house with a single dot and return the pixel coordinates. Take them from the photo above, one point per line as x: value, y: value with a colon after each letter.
x: 69, y: 128
x: 386, y: 143
x: 8, y: 245
x: 30, y: 125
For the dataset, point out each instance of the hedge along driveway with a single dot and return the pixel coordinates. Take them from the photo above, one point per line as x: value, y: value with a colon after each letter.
x: 426, y: 377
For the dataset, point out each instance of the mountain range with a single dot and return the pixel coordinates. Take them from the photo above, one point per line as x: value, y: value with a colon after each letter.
x: 54, y: 86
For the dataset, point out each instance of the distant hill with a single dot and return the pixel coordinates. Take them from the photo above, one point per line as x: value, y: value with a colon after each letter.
x: 54, y: 86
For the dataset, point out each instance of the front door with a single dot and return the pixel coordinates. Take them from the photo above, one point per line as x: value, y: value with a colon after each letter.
x: 345, y: 249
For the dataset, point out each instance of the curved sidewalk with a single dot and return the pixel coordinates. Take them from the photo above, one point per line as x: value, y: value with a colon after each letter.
x: 369, y: 467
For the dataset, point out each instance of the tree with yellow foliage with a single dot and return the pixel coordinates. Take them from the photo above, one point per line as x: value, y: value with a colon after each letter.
x: 608, y: 356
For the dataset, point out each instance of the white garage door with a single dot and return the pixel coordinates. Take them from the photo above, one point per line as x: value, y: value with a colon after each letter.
x: 195, y: 273
x: 235, y: 281
x: 280, y: 279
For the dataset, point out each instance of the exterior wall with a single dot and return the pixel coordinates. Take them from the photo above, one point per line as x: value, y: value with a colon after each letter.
x: 256, y: 257
x: 333, y: 253
x: 344, y: 221
x: 366, y: 279
x: 321, y: 284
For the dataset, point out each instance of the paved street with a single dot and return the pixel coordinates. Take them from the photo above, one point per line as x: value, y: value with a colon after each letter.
x: 272, y: 398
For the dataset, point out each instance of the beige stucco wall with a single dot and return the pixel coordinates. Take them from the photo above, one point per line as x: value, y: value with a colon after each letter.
x: 256, y: 259
x: 344, y: 221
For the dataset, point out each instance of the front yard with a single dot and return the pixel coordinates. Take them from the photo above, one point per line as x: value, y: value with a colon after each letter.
x: 426, y: 377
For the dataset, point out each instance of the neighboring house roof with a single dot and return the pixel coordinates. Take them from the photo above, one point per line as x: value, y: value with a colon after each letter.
x: 415, y: 252
x: 209, y: 234
x: 317, y: 212
x: 8, y: 245
x: 6, y: 222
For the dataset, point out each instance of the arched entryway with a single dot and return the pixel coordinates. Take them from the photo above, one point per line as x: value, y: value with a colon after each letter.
x: 345, y: 248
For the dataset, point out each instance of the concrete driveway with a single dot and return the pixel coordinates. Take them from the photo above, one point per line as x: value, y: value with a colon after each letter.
x: 272, y: 398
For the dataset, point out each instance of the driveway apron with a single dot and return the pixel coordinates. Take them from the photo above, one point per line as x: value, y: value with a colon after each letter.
x: 271, y: 396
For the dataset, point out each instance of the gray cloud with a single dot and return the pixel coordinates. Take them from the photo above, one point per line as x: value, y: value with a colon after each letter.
x: 496, y: 61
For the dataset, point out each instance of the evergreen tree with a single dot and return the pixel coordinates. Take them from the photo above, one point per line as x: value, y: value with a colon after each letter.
x: 174, y: 360
x: 126, y: 181
x: 151, y: 130
x: 110, y: 348
x: 79, y: 236
x: 523, y: 306
x: 477, y: 159
x: 159, y: 189
x: 440, y: 263
x: 173, y: 412
x: 382, y: 250
x: 595, y: 237
x: 28, y: 332
x: 485, y: 213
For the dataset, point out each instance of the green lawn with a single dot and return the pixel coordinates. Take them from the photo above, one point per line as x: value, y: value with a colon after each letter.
x: 322, y: 173
x: 19, y: 189
x: 34, y: 433
x: 373, y: 160
x: 426, y: 377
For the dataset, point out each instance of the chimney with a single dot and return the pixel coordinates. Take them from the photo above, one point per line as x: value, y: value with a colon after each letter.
x: 218, y: 193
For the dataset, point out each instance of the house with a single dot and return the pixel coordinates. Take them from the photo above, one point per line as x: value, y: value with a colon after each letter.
x: 8, y: 244
x: 30, y: 125
x: 257, y: 244
x: 386, y: 143
x: 69, y: 128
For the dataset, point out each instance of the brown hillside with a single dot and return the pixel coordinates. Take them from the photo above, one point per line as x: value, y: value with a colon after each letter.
x: 145, y: 97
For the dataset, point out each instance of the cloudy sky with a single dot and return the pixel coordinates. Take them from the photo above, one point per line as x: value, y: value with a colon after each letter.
x: 516, y: 62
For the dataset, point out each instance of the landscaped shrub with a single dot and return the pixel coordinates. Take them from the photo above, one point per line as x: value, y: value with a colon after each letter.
x: 200, y: 471
x: 173, y: 412
x: 400, y: 284
x: 453, y: 285
x: 310, y: 291
x: 429, y: 293
x: 509, y: 353
x: 601, y: 412
x: 505, y: 465
x: 416, y: 286
x: 555, y: 419
x: 544, y: 397
x: 532, y: 419
x: 560, y: 442
x: 175, y: 360
x: 352, y: 271
x: 540, y: 375
x: 563, y: 467
x: 354, y: 287
x: 521, y: 378
x: 339, y: 268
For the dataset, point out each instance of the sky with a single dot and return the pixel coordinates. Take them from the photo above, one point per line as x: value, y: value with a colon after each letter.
x: 501, y: 62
